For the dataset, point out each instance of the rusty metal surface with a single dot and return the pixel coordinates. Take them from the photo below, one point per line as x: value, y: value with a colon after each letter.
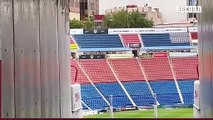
x: 6, y: 37
x: 49, y: 59
x: 205, y: 34
x: 35, y: 59
x: 64, y: 58
x: 27, y: 59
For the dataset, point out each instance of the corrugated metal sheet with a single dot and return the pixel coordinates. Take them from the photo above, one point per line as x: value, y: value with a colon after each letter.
x: 27, y: 59
x: 6, y: 37
x: 36, y: 58
x: 205, y: 34
x: 64, y: 58
x: 49, y: 59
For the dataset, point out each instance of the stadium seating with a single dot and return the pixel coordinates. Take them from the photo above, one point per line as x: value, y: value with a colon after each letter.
x: 185, y: 68
x: 81, y: 78
x: 98, y: 41
x: 156, y: 40
x: 181, y: 37
x: 98, y: 70
x: 119, y: 97
x: 139, y: 92
x: 91, y: 97
x: 84, y: 107
x: 130, y: 38
x: 187, y: 89
x: 158, y: 73
x: 71, y: 41
x: 127, y: 69
x: 157, y: 68
x: 166, y: 92
x: 194, y: 35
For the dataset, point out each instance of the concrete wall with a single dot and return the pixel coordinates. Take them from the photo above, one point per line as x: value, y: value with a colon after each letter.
x: 35, y: 59
x: 205, y: 34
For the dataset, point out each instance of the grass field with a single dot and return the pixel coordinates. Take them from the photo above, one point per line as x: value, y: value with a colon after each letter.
x: 162, y: 113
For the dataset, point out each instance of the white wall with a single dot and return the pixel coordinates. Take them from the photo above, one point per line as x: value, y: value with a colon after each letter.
x: 167, y: 7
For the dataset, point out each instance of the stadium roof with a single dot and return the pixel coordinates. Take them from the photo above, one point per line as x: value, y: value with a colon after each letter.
x: 103, y: 49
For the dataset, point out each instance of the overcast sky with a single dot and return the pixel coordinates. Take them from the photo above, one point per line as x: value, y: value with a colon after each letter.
x: 167, y: 7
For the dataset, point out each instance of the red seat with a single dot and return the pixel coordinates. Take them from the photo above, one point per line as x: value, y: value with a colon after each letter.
x: 71, y: 41
x: 130, y: 38
x: 127, y: 69
x: 185, y: 68
x: 81, y: 78
x: 194, y: 36
x: 157, y: 68
x: 98, y: 70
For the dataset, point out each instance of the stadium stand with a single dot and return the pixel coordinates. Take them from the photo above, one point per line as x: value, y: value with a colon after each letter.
x: 163, y: 39
x: 91, y: 97
x: 81, y: 78
x: 185, y: 68
x: 98, y: 41
x: 130, y: 38
x: 180, y: 37
x: 194, y: 35
x: 98, y: 70
x: 187, y: 89
x: 71, y: 41
x: 84, y: 107
x: 157, y: 68
x: 166, y: 92
x: 119, y: 97
x: 140, y: 93
x: 127, y: 69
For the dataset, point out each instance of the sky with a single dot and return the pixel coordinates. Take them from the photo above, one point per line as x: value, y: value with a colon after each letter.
x: 167, y: 7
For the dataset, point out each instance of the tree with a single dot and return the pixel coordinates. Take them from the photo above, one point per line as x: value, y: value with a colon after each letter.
x: 124, y: 19
x: 88, y: 22
x: 76, y: 24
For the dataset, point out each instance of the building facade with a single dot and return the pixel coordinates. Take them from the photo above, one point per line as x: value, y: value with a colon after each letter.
x: 79, y: 9
x: 88, y: 8
x: 74, y: 9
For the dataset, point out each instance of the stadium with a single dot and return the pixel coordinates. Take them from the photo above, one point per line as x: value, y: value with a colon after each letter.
x: 106, y: 59
x: 134, y: 65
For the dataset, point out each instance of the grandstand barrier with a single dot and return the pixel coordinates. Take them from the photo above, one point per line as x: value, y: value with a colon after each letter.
x: 116, y: 56
x: 90, y: 112
x: 76, y: 101
x: 182, y: 54
x: 196, y: 105
x: 138, y: 30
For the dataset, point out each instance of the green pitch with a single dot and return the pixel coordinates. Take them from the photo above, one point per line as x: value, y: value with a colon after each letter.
x: 162, y: 113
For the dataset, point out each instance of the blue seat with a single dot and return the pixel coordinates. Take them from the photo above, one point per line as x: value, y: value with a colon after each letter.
x: 119, y: 97
x: 166, y: 92
x: 91, y: 97
x: 164, y: 39
x: 98, y: 41
x: 187, y: 89
x: 140, y: 93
